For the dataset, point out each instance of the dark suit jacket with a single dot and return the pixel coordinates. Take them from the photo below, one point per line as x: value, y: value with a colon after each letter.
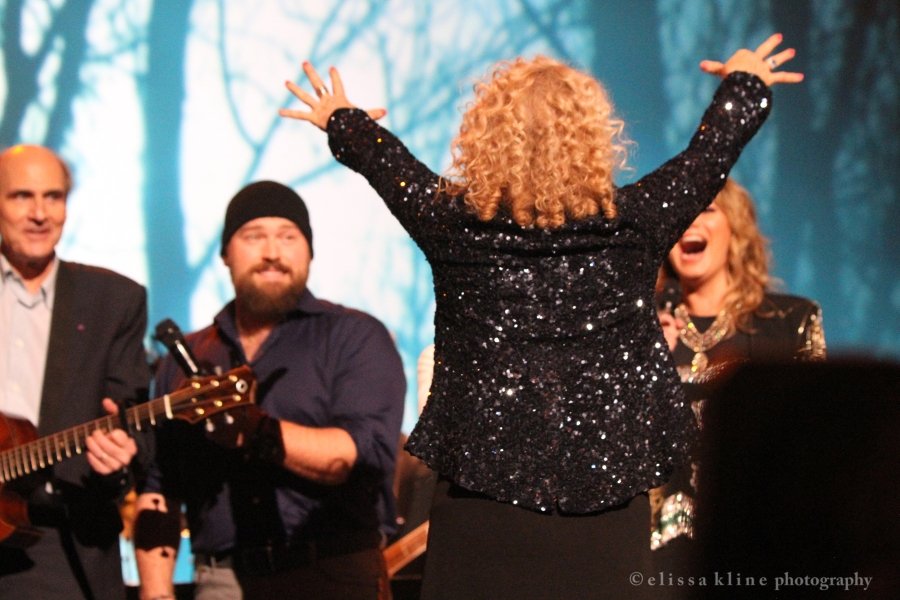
x: 95, y: 351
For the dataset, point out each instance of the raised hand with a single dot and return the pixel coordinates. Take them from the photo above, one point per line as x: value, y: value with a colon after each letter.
x: 757, y: 62
x: 324, y: 103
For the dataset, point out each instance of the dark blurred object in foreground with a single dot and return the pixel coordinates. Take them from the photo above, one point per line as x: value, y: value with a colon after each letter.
x: 800, y: 479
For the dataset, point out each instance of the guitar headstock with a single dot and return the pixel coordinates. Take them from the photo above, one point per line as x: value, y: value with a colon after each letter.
x: 199, y: 399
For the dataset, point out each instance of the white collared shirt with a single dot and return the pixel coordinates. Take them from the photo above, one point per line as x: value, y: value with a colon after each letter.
x: 24, y: 337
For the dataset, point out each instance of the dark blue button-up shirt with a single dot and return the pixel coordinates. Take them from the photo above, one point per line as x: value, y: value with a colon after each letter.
x: 324, y: 366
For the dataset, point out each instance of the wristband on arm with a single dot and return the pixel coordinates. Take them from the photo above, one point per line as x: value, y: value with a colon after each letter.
x: 154, y: 528
x: 265, y: 442
x: 250, y: 429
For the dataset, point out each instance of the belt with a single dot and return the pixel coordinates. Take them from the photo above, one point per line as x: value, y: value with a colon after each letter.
x: 219, y: 560
x: 275, y: 558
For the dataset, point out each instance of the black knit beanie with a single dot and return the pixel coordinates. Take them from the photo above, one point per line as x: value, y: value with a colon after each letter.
x: 265, y: 199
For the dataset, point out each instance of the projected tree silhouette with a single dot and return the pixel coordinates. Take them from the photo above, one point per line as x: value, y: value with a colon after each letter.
x: 830, y: 216
x: 205, y: 78
x: 60, y: 47
x: 420, y: 52
x: 171, y: 278
x: 844, y: 150
x: 824, y: 172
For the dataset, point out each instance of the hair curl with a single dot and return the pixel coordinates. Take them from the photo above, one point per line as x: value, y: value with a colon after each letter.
x: 540, y: 139
x: 748, y: 257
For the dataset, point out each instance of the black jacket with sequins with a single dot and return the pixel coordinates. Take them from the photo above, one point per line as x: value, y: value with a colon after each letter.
x: 553, y: 386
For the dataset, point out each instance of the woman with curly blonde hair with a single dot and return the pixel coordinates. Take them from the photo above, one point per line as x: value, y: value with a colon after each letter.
x: 541, y: 141
x: 555, y: 405
x: 748, y: 255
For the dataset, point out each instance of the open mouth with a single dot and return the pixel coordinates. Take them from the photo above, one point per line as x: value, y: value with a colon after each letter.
x: 692, y: 245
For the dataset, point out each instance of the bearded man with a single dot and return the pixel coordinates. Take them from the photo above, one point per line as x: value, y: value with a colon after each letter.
x: 300, y: 507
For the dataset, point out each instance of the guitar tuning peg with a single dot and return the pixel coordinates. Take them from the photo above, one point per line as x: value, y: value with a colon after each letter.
x: 229, y: 420
x: 210, y: 427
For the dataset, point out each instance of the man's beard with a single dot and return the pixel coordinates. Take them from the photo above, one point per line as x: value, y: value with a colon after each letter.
x: 269, y: 302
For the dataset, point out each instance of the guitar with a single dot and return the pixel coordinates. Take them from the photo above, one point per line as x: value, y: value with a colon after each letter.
x: 22, y: 453
x: 406, y: 549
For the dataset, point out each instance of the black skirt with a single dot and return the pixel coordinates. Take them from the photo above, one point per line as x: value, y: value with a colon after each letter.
x: 481, y: 548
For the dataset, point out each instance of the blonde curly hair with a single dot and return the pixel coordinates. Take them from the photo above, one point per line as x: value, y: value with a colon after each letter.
x: 748, y: 257
x: 540, y: 139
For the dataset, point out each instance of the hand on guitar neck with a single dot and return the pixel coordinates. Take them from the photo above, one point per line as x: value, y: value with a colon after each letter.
x: 22, y: 465
x: 107, y: 446
x: 110, y: 451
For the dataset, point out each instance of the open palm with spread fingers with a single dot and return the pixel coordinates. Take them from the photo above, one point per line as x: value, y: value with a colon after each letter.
x: 758, y: 62
x: 324, y: 102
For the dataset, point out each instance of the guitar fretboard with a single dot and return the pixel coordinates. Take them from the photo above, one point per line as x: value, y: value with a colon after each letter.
x: 38, y: 454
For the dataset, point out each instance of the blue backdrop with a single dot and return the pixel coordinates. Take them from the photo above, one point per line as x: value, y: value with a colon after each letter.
x: 165, y: 109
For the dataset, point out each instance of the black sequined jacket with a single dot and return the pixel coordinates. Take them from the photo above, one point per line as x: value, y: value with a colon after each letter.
x: 553, y: 386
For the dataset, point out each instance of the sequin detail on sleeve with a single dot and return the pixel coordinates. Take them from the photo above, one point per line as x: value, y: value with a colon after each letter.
x: 553, y: 386
x: 813, y: 335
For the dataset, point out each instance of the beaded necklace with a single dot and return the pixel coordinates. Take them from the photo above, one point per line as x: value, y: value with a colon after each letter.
x: 700, y: 343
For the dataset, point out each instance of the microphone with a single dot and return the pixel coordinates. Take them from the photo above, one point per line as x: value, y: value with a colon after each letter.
x: 170, y: 336
x: 668, y: 296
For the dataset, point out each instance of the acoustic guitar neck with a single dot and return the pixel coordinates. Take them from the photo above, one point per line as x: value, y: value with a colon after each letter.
x: 197, y: 401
